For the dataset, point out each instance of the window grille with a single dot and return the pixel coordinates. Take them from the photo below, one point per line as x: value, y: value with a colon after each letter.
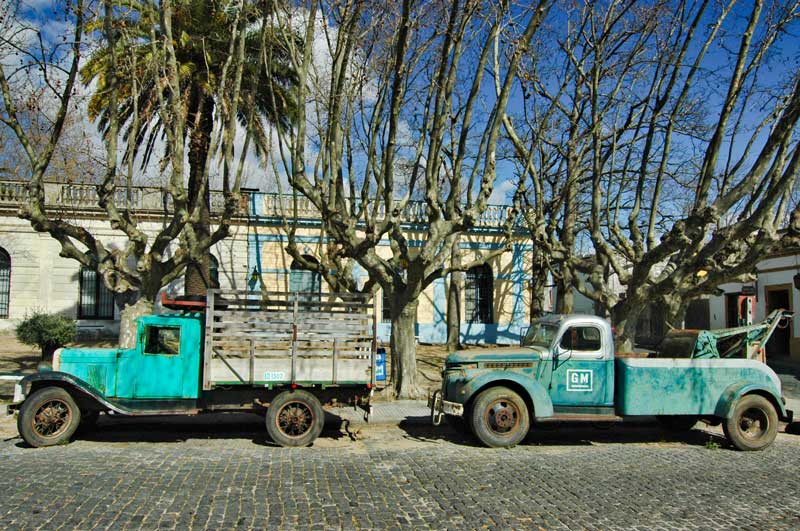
x: 386, y: 307
x: 95, y: 301
x: 479, y: 290
x: 213, y: 270
x: 5, y: 282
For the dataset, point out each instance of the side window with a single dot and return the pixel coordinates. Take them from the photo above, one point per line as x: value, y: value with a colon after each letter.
x: 581, y: 339
x: 162, y: 340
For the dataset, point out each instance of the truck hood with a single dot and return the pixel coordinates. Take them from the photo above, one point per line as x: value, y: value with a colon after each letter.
x: 84, y: 355
x: 492, y: 354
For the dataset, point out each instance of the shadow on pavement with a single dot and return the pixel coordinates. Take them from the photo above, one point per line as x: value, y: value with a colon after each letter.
x: 574, y: 434
x: 178, y: 429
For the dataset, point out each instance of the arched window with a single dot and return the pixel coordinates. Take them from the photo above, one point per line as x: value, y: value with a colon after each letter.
x: 479, y: 288
x: 213, y: 270
x: 305, y: 281
x: 5, y: 282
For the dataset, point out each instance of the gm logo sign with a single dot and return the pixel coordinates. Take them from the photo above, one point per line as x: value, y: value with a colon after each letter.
x: 579, y: 379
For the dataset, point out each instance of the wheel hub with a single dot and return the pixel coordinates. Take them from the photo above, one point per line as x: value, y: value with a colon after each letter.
x: 51, y: 418
x: 295, y: 419
x: 502, y: 417
x: 753, y: 423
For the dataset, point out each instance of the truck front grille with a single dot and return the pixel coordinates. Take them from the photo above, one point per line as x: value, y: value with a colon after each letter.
x: 507, y: 364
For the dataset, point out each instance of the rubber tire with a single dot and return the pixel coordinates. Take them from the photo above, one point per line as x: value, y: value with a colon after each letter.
x: 33, y: 403
x: 478, y: 418
x: 732, y: 426
x: 303, y: 397
x: 677, y: 423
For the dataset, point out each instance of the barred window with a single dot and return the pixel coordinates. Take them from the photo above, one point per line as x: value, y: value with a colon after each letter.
x: 5, y: 282
x: 479, y: 288
x: 213, y: 270
x: 386, y: 307
x: 95, y: 301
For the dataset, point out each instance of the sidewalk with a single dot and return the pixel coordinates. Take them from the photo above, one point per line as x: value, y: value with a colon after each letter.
x: 393, y: 413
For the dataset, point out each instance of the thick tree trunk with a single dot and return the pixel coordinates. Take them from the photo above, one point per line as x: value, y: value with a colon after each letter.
x: 564, y: 289
x: 454, y: 300
x: 624, y: 316
x: 454, y: 312
x: 404, y: 348
x: 538, y: 285
x: 675, y: 310
x: 127, y: 322
x: 198, y: 278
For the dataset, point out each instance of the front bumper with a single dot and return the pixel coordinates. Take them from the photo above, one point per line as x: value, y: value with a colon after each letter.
x: 440, y: 407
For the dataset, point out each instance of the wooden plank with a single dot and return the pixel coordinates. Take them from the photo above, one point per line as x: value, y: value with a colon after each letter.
x: 208, y: 350
x: 252, y: 362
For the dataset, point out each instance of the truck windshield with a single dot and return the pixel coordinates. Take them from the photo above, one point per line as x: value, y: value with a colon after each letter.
x: 540, y: 334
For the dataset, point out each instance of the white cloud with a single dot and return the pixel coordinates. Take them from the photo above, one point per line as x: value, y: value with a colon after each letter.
x: 503, y: 192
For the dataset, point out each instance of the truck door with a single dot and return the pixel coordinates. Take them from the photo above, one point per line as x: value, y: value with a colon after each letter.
x: 161, y: 365
x: 581, y: 368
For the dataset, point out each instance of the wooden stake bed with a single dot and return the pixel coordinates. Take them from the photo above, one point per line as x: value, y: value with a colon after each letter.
x: 279, y: 338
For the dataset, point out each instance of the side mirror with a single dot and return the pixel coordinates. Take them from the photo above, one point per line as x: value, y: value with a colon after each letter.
x: 523, y: 334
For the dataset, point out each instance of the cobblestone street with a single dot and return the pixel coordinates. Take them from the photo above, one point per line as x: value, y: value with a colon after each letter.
x: 213, y: 473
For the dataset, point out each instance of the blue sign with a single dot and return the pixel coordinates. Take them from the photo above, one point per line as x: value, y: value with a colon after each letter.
x: 380, y: 365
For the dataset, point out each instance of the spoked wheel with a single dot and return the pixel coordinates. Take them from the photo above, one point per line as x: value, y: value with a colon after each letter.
x: 753, y: 425
x: 49, y: 416
x: 500, y: 417
x: 295, y: 418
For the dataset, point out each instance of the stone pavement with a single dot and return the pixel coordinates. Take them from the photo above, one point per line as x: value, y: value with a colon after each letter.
x: 220, y: 474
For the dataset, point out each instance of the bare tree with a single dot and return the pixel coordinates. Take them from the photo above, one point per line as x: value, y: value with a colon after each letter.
x: 660, y: 153
x: 406, y: 110
x: 138, y: 270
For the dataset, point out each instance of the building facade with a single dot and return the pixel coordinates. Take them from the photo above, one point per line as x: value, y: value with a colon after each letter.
x: 495, y: 298
x: 775, y: 287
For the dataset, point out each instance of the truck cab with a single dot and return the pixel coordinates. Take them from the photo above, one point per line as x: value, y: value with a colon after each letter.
x: 566, y: 369
x: 164, y: 363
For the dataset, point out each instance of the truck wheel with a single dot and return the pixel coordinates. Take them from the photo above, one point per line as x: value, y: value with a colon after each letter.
x: 677, y: 423
x: 753, y: 425
x: 295, y: 418
x: 49, y: 416
x: 499, y: 417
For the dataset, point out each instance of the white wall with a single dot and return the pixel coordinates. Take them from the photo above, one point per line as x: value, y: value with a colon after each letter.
x: 41, y: 279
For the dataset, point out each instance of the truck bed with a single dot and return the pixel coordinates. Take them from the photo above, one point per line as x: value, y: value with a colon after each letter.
x: 278, y: 338
x: 680, y: 386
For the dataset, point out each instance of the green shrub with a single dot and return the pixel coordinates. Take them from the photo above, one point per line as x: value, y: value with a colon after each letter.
x: 48, y: 331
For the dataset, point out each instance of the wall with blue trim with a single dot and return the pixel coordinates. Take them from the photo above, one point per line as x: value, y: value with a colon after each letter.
x: 266, y: 242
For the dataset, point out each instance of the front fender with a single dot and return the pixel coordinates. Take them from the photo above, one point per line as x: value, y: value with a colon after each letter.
x: 727, y: 402
x: 542, y: 405
x: 65, y: 380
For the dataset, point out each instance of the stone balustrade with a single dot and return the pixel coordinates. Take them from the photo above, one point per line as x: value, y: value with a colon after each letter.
x: 83, y: 197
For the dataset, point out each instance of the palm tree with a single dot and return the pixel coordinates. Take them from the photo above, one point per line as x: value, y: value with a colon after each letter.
x: 202, y: 30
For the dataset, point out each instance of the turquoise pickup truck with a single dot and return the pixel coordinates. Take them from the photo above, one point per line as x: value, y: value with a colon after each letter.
x: 566, y: 369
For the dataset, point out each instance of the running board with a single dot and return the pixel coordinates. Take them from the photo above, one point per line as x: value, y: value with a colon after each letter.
x: 580, y: 417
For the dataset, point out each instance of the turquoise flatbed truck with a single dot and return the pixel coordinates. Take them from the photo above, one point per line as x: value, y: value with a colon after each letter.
x: 566, y: 369
x: 280, y: 354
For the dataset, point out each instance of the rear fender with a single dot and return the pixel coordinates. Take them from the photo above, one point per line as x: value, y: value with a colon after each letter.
x: 79, y: 389
x: 733, y: 393
x: 532, y: 390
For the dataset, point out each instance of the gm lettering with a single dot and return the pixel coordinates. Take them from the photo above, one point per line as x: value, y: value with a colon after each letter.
x: 579, y: 380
